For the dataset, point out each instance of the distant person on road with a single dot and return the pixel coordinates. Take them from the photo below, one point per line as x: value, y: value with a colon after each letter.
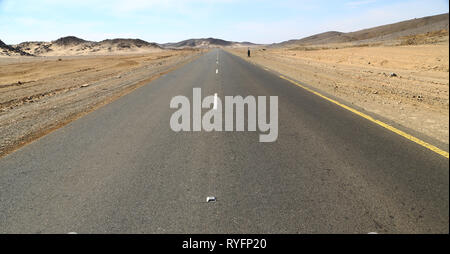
x: 248, y: 52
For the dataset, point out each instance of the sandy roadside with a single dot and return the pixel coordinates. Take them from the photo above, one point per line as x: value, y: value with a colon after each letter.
x: 41, y: 94
x: 417, y: 97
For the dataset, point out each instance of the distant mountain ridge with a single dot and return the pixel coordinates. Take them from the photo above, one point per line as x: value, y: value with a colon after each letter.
x: 72, y: 45
x: 379, y: 33
x: 205, y: 43
x: 130, y: 42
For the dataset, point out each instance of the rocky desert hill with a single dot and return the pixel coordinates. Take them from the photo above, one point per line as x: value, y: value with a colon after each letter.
x: 6, y: 50
x: 205, y: 43
x: 391, y: 32
x: 71, y: 45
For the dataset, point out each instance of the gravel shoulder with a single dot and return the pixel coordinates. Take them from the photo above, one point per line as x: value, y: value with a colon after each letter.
x: 41, y: 94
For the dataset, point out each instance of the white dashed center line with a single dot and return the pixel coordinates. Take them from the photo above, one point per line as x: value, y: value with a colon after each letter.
x: 215, y: 101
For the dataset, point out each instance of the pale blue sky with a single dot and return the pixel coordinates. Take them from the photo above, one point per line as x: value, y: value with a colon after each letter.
x: 260, y: 21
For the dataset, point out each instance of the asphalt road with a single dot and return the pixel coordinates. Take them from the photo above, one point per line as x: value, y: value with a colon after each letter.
x: 121, y: 169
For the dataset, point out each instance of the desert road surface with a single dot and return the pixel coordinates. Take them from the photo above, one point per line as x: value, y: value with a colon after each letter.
x: 122, y: 169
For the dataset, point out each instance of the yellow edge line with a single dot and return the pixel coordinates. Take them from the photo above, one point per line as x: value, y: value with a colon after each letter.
x: 387, y: 126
